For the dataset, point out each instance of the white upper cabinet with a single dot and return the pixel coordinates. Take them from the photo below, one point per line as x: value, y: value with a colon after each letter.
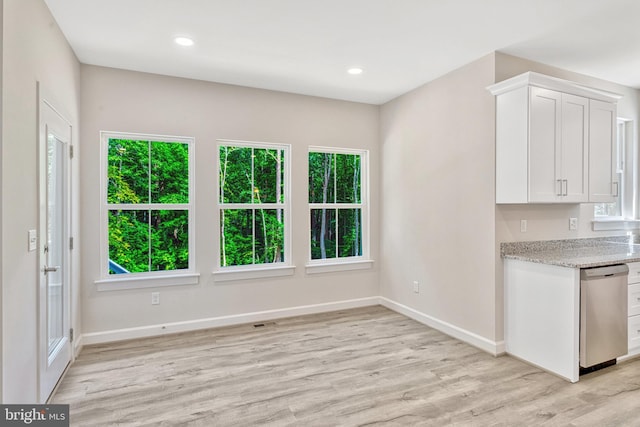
x: 549, y: 145
x: 558, y: 147
x: 603, y: 184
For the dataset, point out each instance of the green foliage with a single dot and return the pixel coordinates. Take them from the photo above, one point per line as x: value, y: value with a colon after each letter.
x: 247, y: 241
x: 349, y: 233
x: 129, y: 239
x: 169, y: 240
x: 128, y: 171
x: 144, y: 238
x: 139, y: 172
x: 250, y: 176
x: 335, y: 179
x: 169, y: 172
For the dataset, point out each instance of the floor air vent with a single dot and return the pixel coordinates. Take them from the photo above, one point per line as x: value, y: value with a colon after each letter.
x: 263, y: 324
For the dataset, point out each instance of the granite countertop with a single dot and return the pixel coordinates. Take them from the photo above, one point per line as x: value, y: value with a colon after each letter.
x: 575, y: 253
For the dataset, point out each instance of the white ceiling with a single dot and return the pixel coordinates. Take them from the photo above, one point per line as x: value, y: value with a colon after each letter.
x: 305, y: 46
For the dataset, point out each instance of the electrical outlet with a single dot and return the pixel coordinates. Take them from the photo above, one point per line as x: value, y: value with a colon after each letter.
x: 523, y: 225
x: 416, y: 287
x: 155, y: 298
x: 573, y: 223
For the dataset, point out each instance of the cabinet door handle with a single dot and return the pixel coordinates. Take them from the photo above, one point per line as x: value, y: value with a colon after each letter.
x: 560, y: 186
x: 615, y: 193
x: 566, y: 187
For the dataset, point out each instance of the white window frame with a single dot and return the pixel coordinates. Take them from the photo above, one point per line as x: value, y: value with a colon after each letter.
x: 253, y: 271
x: 364, y: 260
x: 109, y: 282
x: 627, y: 172
x: 621, y: 145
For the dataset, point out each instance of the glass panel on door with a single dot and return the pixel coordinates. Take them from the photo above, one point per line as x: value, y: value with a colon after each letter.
x: 55, y: 243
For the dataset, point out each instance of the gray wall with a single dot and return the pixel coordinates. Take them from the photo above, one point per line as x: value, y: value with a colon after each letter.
x: 34, y: 50
x: 440, y: 225
x: 438, y: 212
x: 118, y: 100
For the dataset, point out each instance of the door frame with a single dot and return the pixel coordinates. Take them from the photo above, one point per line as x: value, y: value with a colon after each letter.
x: 47, y: 385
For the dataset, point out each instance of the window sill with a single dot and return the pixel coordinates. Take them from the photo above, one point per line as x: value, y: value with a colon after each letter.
x: 610, y: 224
x: 122, y: 283
x: 229, y: 274
x: 329, y: 267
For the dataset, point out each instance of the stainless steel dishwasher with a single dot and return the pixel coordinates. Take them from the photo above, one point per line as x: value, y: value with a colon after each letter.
x: 603, y: 315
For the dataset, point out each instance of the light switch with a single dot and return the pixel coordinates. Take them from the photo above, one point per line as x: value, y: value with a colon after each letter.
x: 33, y: 240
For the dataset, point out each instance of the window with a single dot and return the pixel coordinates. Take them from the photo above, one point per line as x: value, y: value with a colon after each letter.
x: 147, y: 196
x: 617, y: 209
x: 254, y: 205
x: 338, y: 207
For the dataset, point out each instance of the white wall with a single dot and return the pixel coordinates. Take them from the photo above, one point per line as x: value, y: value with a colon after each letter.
x: 1, y: 239
x: 438, y: 214
x: 34, y: 50
x: 118, y: 100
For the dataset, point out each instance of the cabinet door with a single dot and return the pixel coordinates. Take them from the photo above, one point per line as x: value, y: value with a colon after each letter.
x: 603, y: 185
x: 574, y: 161
x: 633, y: 299
x: 634, y: 332
x: 545, y: 183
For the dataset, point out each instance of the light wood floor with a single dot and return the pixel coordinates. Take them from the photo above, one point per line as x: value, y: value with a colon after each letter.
x: 359, y: 367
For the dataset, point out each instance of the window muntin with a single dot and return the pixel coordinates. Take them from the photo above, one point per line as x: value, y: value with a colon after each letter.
x: 337, y: 204
x: 148, y: 209
x: 254, y: 204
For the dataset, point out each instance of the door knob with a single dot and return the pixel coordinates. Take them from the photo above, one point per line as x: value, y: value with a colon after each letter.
x: 50, y: 269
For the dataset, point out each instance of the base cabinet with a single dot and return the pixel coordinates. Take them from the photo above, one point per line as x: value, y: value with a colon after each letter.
x: 634, y: 335
x: 542, y: 316
x: 634, y: 308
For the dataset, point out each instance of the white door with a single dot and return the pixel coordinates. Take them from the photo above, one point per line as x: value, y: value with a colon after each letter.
x: 54, y: 247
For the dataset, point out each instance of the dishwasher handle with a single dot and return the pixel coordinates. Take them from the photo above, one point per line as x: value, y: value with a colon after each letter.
x: 605, y: 271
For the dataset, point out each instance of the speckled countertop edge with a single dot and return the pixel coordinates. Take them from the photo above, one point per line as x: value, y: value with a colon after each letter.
x: 574, y: 253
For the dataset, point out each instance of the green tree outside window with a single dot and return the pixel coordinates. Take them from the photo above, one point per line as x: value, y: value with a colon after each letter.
x: 147, y: 201
x: 335, y: 198
x: 252, y: 197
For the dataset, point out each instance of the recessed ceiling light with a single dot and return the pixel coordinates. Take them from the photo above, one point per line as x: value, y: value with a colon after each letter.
x: 355, y: 71
x: 184, y: 41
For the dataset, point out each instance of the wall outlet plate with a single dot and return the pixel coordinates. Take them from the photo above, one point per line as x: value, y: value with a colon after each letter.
x: 523, y: 225
x: 573, y: 223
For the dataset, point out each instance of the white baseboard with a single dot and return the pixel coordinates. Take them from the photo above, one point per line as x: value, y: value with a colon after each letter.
x: 77, y: 346
x: 491, y: 347
x: 634, y: 353
x: 215, y: 322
